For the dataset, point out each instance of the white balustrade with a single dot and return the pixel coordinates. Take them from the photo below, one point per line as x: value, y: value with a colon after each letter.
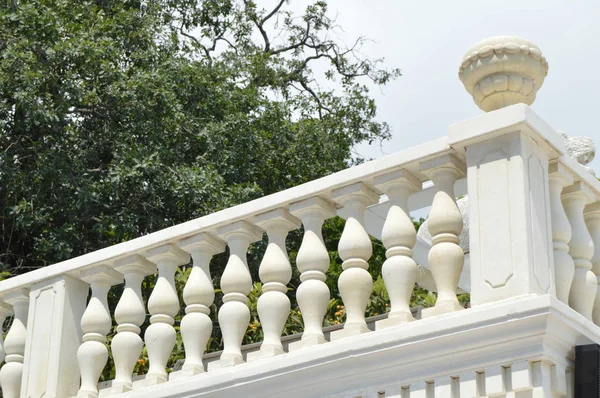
x: 564, y: 266
x: 14, y: 346
x: 312, y: 261
x: 95, y: 324
x: 130, y: 313
x: 5, y: 311
x: 355, y: 248
x: 581, y: 248
x: 399, y: 270
x: 275, y: 273
x: 236, y: 284
x: 163, y: 304
x: 446, y: 257
x: 592, y: 220
x: 198, y: 294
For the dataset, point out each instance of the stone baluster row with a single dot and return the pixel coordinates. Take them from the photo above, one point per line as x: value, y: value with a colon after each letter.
x: 355, y: 282
x: 575, y: 216
x: 592, y: 220
x: 11, y: 372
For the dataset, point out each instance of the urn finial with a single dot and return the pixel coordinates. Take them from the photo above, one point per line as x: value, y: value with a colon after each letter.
x: 502, y: 71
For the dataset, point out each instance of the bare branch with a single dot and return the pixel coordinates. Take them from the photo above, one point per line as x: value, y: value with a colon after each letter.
x: 265, y: 19
x: 301, y: 43
x: 202, y: 46
x: 322, y: 107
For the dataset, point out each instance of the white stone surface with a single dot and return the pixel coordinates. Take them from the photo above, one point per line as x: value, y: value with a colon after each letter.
x: 528, y: 339
x: 510, y: 226
x: 15, y: 344
x: 312, y: 261
x: 581, y: 248
x: 355, y: 248
x: 564, y: 267
x: 275, y: 273
x: 199, y: 294
x: 399, y: 271
x: 503, y: 70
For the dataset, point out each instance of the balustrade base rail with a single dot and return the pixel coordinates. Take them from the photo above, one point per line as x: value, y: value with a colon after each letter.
x: 519, y: 345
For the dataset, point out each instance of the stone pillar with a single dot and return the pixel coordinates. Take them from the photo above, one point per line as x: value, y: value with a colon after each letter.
x: 507, y: 154
x: 53, y: 337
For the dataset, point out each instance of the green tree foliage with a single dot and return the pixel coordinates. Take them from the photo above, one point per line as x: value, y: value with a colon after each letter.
x: 121, y: 117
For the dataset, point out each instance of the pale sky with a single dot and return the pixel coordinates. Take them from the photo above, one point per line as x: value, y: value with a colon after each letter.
x: 427, y: 40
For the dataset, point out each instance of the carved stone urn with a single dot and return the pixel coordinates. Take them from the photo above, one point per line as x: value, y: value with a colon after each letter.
x: 503, y: 70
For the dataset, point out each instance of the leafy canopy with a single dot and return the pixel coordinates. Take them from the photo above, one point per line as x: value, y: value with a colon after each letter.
x: 122, y: 117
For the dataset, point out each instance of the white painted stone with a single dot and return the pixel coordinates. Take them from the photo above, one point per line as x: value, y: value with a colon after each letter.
x: 503, y: 70
x: 446, y: 257
x: 163, y: 305
x: 581, y: 249
x: 355, y: 248
x: 592, y: 221
x: 399, y: 270
x: 54, y: 336
x: 312, y: 261
x: 564, y: 266
x: 130, y: 313
x: 275, y: 273
x: 5, y: 311
x: 198, y: 294
x: 95, y: 324
x: 15, y: 343
x: 509, y: 206
x: 236, y: 284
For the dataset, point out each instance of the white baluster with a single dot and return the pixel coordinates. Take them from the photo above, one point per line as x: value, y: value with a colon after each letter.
x: 236, y: 283
x: 399, y: 270
x: 130, y: 313
x: 95, y: 324
x: 313, y: 261
x: 275, y: 273
x: 592, y: 220
x: 198, y: 294
x: 446, y: 258
x: 581, y: 248
x: 14, y: 345
x: 163, y: 304
x: 5, y: 311
x: 355, y: 249
x: 564, y: 268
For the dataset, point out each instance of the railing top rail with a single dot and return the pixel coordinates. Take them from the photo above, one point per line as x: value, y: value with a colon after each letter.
x: 581, y: 174
x: 408, y: 158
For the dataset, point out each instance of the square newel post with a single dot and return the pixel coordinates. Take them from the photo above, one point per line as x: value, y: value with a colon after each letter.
x: 507, y: 154
x: 50, y: 368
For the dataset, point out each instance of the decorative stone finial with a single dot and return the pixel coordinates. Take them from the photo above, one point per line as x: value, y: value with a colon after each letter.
x: 502, y: 71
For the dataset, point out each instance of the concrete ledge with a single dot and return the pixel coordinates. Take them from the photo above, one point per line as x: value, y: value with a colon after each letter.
x: 527, y: 328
